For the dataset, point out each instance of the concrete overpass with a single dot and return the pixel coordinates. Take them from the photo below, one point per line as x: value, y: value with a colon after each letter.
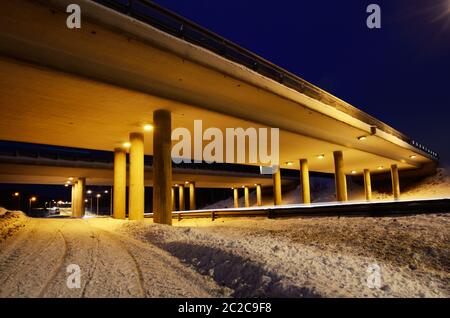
x: 96, y: 87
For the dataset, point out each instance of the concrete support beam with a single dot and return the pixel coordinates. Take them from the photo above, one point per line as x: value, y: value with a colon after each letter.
x: 339, y: 175
x: 79, y: 197
x: 258, y: 195
x: 367, y: 184
x: 395, y: 182
x: 74, y: 199
x: 173, y: 198
x: 136, y: 198
x: 192, y: 204
x: 277, y: 200
x: 304, y: 176
x: 236, y: 197
x: 120, y: 183
x: 162, y: 167
x: 182, y: 205
x: 246, y: 197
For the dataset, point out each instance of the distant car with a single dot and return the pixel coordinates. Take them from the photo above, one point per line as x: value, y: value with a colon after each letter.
x: 53, y: 211
x: 38, y: 212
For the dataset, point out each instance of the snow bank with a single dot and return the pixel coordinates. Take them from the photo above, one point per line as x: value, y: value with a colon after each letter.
x: 10, y: 222
x: 322, y: 190
x: 312, y: 257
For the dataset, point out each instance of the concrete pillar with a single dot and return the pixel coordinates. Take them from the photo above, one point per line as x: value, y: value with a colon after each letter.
x: 181, y: 198
x: 339, y: 176
x: 136, y: 198
x: 74, y: 199
x: 246, y: 197
x: 277, y: 200
x: 162, y: 167
x: 304, y: 176
x: 79, y: 198
x: 120, y: 183
x: 192, y: 205
x: 395, y: 182
x: 258, y: 195
x: 173, y: 198
x: 367, y: 185
x: 236, y: 197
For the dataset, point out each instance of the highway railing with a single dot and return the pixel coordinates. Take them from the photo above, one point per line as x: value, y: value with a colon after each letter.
x: 360, y: 208
x: 180, y: 27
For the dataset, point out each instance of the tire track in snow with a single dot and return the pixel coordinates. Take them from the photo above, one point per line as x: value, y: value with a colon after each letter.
x: 94, y: 261
x: 137, y: 268
x: 57, y: 268
x: 24, y: 269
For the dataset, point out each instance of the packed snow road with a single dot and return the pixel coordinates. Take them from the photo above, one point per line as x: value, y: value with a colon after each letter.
x: 239, y: 257
x: 34, y: 263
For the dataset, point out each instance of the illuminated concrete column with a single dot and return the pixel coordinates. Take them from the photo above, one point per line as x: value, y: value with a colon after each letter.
x: 162, y: 167
x: 192, y: 205
x: 236, y: 197
x: 258, y: 195
x: 367, y: 185
x: 80, y: 196
x: 181, y: 198
x: 74, y: 199
x: 120, y: 183
x: 304, y: 176
x: 277, y: 200
x: 395, y: 182
x: 339, y: 176
x: 173, y: 198
x: 136, y: 188
x: 246, y: 197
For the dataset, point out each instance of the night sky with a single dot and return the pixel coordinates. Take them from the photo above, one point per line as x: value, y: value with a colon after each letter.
x: 399, y: 73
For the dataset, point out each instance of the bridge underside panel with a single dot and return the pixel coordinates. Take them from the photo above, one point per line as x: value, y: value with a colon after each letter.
x: 38, y: 174
x: 90, y: 88
x: 49, y: 107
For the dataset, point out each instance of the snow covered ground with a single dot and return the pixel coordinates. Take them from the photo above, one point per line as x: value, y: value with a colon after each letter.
x: 239, y: 257
x: 312, y: 257
x: 34, y: 262
x: 246, y: 257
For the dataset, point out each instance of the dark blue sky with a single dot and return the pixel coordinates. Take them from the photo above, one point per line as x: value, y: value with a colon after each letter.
x: 399, y: 73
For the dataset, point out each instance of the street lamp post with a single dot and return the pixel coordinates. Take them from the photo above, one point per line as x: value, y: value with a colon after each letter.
x: 98, y: 198
x: 90, y: 192
x: 110, y: 200
x: 32, y: 199
x: 17, y: 195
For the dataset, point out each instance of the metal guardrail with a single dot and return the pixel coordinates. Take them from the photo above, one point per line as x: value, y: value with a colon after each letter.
x: 380, y: 208
x: 178, y: 26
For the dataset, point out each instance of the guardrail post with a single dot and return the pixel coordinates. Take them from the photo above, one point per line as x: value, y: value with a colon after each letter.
x: 213, y: 216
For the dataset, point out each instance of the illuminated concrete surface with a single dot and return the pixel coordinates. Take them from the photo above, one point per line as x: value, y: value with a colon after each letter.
x: 136, y: 201
x: 395, y: 182
x: 339, y: 176
x: 236, y: 197
x: 367, y: 185
x: 277, y: 199
x: 258, y: 195
x: 304, y: 176
x: 133, y: 69
x: 120, y: 183
x: 192, y: 198
x: 162, y: 167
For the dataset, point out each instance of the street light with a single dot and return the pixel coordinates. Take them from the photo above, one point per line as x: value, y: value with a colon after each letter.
x: 32, y: 199
x: 17, y: 195
x: 98, y: 198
